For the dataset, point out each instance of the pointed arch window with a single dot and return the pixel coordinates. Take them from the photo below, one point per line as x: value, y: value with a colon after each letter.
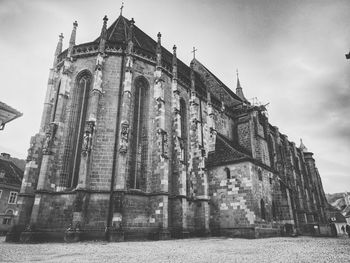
x: 183, y: 115
x: 262, y: 209
x: 228, y: 174
x: 260, y: 175
x: 53, y: 116
x: 76, y: 126
x: 139, y: 143
x: 272, y: 150
x: 274, y: 210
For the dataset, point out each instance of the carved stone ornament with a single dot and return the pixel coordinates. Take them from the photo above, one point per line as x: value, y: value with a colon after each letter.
x: 87, y: 140
x: 50, y: 133
x: 68, y: 68
x: 124, y: 137
x: 31, y: 150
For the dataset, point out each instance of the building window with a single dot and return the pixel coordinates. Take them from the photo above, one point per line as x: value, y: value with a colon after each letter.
x: 8, y: 217
x: 260, y: 174
x: 228, y: 174
x: 6, y: 221
x: 12, y: 198
x: 274, y: 212
x: 2, y: 174
x: 272, y: 151
x: 139, y: 143
x: 262, y: 208
x: 183, y: 116
x: 56, y: 102
x: 270, y: 179
x: 0, y: 193
x: 76, y: 127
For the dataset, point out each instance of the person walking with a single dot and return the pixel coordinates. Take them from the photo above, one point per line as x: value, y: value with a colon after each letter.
x: 347, y: 228
x: 343, y: 229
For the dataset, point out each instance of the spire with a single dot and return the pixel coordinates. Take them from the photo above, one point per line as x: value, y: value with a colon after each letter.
x: 302, y: 147
x: 194, y: 52
x: 238, y: 83
x: 239, y: 90
x: 174, y: 62
x: 130, y: 36
x: 121, y: 9
x: 159, y: 50
x: 72, y: 38
x: 103, y: 35
x: 58, y: 48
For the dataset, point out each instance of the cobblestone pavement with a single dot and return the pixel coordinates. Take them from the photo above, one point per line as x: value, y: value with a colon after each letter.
x: 299, y: 249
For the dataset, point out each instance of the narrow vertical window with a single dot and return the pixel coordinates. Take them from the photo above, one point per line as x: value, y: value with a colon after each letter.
x: 227, y: 172
x: 183, y: 114
x: 260, y: 177
x: 274, y: 212
x: 263, y: 211
x: 53, y: 116
x: 139, y: 147
x: 76, y: 125
x: 272, y: 151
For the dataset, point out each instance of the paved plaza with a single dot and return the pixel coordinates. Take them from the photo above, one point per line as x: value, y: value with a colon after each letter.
x: 299, y: 249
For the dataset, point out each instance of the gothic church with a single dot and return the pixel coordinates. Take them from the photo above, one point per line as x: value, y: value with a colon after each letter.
x: 135, y: 144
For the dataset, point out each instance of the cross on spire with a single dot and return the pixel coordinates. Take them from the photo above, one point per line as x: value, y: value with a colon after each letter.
x: 121, y: 8
x: 194, y: 52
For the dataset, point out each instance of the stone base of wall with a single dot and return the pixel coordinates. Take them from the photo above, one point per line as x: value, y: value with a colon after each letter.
x: 145, y: 233
x: 180, y: 233
x: 14, y: 234
x: 267, y: 232
x: 247, y: 232
x: 315, y: 230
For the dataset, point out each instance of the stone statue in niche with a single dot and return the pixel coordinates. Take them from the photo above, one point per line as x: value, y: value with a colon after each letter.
x: 124, y: 137
x: 50, y: 133
x: 68, y: 68
x: 164, y: 137
x: 87, y: 139
x: 98, y: 76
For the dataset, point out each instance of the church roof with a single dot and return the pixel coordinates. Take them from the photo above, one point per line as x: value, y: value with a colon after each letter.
x: 217, y: 88
x: 225, y: 153
x: 118, y: 32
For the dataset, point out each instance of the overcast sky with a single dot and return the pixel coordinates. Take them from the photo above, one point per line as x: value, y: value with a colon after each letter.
x: 290, y: 53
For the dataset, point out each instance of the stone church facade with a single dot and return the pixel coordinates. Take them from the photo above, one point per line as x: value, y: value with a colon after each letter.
x: 135, y: 144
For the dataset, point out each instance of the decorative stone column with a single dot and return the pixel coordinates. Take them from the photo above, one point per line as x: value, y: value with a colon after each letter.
x: 180, y: 166
x: 198, y: 173
x: 162, y: 169
x: 124, y: 128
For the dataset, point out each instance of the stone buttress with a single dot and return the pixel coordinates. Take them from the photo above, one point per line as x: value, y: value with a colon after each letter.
x: 161, y: 172
x: 197, y: 171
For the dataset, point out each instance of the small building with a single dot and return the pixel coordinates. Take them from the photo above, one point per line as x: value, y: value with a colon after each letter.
x: 10, y: 184
x: 336, y: 220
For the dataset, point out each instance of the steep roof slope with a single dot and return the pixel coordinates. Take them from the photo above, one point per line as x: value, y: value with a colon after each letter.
x: 225, y: 153
x: 119, y: 31
x: 10, y: 173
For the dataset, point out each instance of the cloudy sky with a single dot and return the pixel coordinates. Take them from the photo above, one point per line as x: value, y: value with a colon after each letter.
x: 290, y: 53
